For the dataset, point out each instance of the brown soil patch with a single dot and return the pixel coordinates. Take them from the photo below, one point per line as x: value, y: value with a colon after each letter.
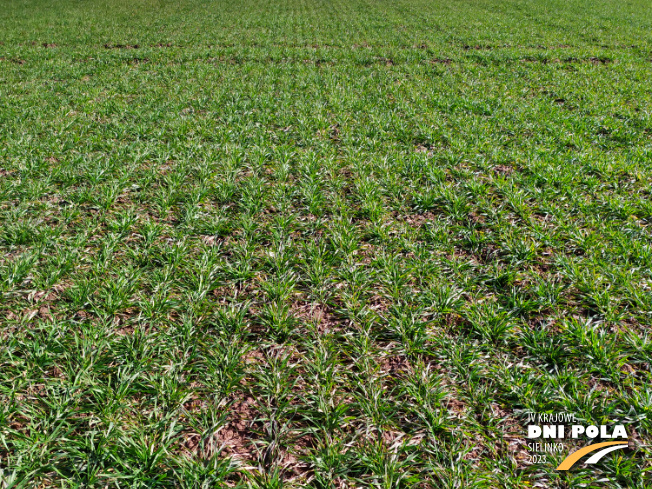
x: 476, y: 47
x: 44, y: 313
x: 82, y: 315
x: 599, y: 61
x: 254, y: 357
x: 318, y: 314
x: 429, y: 150
x: 121, y: 328
x: 456, y: 406
x: 475, y: 218
x: 11, y: 316
x: 378, y: 303
x: 121, y: 46
x: 395, y: 365
x: 417, y: 220
x: 235, y: 439
x: 503, y: 170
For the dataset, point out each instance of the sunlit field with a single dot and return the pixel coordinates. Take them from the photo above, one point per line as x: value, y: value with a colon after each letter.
x: 322, y: 244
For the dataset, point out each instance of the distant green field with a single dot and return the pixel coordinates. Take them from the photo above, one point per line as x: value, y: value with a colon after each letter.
x: 322, y: 244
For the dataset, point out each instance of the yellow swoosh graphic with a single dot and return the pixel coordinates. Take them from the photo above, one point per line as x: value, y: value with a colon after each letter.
x: 575, y: 456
